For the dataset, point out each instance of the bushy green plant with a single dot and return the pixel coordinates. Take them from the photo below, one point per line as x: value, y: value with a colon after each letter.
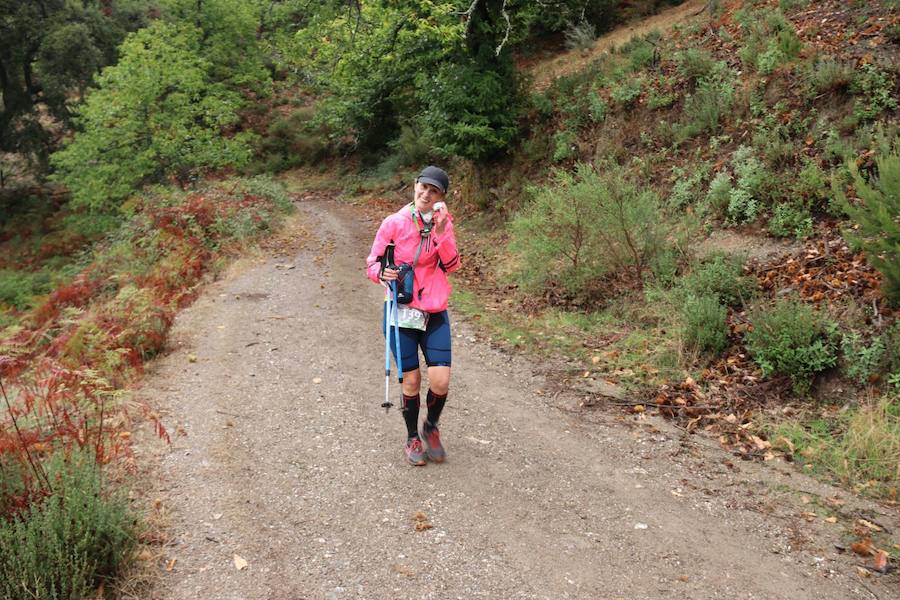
x: 657, y: 98
x: 721, y: 276
x: 694, y: 64
x: 719, y: 193
x: 294, y: 140
x: 468, y: 111
x: 580, y: 35
x: 66, y: 545
x: 687, y: 184
x: 861, y: 360
x: 564, y: 145
x: 640, y: 54
x: 874, y: 89
x: 879, y: 231
x: 18, y: 288
x: 627, y: 90
x: 827, y: 75
x: 769, y: 39
x: 791, y: 220
x: 157, y: 113
x: 597, y: 107
x: 752, y: 184
x: 704, y: 324
x: 581, y: 226
x: 793, y: 339
x: 711, y: 99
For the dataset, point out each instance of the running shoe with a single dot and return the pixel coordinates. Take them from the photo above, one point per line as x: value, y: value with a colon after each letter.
x: 433, y: 445
x: 415, y: 454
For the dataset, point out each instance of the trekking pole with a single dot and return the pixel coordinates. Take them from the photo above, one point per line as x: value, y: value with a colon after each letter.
x: 388, y: 311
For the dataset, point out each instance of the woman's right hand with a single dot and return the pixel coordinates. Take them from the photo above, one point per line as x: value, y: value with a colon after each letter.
x: 389, y: 274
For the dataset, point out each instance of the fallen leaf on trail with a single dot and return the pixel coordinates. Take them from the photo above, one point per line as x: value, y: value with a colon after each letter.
x: 402, y: 570
x: 641, y: 526
x: 157, y: 504
x: 760, y: 443
x: 831, y: 520
x: 170, y: 565
x: 881, y: 561
x: 683, y: 578
x: 239, y: 563
x: 869, y: 524
x: 595, y: 359
x: 423, y: 525
x: 639, y: 408
x: 317, y: 380
x: 192, y: 358
x: 217, y: 516
x: 805, y: 499
x: 145, y: 555
x: 124, y: 434
x: 863, y: 548
x: 809, y: 516
x: 862, y: 572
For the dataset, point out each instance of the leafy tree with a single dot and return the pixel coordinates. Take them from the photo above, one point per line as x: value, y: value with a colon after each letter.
x: 49, y: 49
x: 157, y: 113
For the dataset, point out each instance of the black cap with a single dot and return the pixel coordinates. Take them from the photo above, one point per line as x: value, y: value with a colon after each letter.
x: 436, y: 177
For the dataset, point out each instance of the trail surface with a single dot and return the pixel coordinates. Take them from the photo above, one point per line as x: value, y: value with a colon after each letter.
x: 281, y: 456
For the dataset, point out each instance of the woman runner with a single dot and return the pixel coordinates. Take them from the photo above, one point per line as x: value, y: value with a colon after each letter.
x: 422, y: 234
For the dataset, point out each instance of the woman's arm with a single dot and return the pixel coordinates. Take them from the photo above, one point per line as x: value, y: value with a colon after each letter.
x: 382, y: 239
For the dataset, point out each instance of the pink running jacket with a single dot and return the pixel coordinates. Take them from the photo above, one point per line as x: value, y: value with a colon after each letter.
x: 437, y: 258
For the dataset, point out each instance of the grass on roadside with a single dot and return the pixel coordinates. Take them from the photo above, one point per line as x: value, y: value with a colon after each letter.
x: 859, y: 447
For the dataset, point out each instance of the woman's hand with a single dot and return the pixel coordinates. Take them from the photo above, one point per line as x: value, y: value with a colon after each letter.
x: 389, y: 274
x: 441, y: 218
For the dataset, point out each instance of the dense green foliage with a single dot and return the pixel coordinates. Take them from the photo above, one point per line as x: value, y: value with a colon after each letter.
x: 49, y: 51
x: 705, y: 326
x: 877, y: 214
x: 157, y: 113
x: 67, y: 544
x: 581, y: 227
x: 791, y: 338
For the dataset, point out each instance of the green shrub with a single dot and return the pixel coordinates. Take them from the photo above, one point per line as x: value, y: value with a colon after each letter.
x: 694, y: 64
x: 812, y: 184
x: 686, y: 188
x: 769, y: 39
x: 793, y: 339
x: 564, y: 145
x: 580, y: 226
x: 711, y: 101
x: 627, y: 91
x: 876, y: 215
x: 860, y: 360
x: 294, y: 140
x: 791, y: 220
x: 827, y: 75
x: 19, y: 288
x: 597, y: 107
x: 641, y: 54
x: 656, y: 98
x: 720, y: 276
x: 719, y: 193
x: 580, y: 36
x: 69, y: 543
x: 874, y: 89
x: 704, y: 324
x: 752, y: 186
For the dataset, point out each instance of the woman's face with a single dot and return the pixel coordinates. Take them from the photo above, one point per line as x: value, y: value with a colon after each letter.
x: 426, y: 195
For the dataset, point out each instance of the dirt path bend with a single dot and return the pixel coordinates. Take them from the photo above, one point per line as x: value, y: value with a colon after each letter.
x: 544, y: 72
x: 284, y: 458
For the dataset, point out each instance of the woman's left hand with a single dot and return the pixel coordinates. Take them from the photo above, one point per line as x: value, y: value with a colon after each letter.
x: 441, y: 218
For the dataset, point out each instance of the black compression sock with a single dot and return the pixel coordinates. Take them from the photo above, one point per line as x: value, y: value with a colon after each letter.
x: 411, y: 415
x: 435, y: 406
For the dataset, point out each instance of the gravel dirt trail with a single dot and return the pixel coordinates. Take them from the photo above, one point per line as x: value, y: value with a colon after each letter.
x: 282, y: 456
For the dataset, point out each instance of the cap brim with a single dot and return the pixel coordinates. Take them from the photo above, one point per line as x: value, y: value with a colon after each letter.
x: 433, y: 182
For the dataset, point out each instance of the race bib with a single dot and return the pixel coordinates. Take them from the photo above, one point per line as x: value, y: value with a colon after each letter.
x: 411, y: 318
